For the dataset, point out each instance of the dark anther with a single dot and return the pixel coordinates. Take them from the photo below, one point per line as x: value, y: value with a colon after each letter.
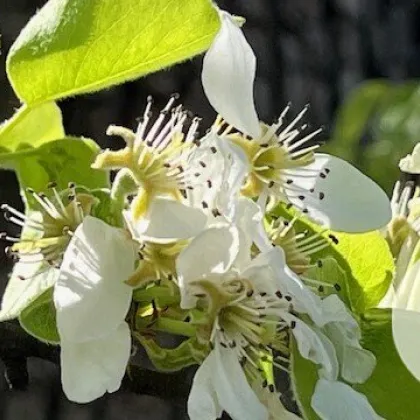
x: 321, y: 289
x: 289, y: 181
x: 249, y: 293
x: 265, y: 383
x: 279, y: 294
x: 52, y: 184
x: 209, y: 183
x: 271, y: 387
x: 262, y: 294
x: 223, y: 345
x: 204, y: 204
x: 306, y: 211
x: 337, y: 287
x: 202, y: 164
x: 71, y: 185
x: 293, y: 325
x: 264, y: 145
x: 288, y: 298
x: 301, y: 197
x: 319, y: 264
x: 321, y: 195
x: 333, y: 238
x: 216, y: 213
x: 327, y: 171
x: 213, y: 149
x: 271, y: 184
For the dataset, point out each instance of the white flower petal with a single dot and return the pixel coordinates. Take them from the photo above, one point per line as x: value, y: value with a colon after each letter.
x: 228, y: 77
x: 19, y: 293
x: 405, y: 328
x: 166, y: 221
x: 94, y: 367
x: 356, y: 363
x: 315, y: 346
x: 407, y: 295
x: 351, y: 201
x: 236, y: 168
x: 211, y: 252
x: 220, y: 384
x: 334, y: 310
x: 202, y: 401
x: 249, y: 217
x: 90, y: 295
x: 219, y: 168
x: 304, y: 300
x: 337, y: 401
x: 411, y: 163
x: 233, y: 391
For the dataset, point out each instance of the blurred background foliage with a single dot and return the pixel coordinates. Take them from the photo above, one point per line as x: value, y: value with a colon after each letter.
x: 378, y: 123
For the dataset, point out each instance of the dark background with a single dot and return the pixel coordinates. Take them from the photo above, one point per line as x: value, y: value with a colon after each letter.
x: 308, y: 51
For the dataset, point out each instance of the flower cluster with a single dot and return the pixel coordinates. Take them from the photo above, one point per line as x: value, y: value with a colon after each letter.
x: 196, y: 238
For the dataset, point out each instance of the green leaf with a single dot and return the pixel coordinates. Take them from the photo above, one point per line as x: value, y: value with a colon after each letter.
x: 330, y: 272
x: 392, y: 390
x: 365, y: 259
x: 304, y: 375
x: 29, y: 128
x: 62, y: 161
x: 76, y: 46
x: 39, y: 318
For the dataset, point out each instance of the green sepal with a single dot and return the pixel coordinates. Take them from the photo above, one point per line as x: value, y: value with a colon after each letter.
x: 188, y: 353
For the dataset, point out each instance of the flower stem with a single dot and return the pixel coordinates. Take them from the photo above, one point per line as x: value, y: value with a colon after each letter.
x: 173, y: 326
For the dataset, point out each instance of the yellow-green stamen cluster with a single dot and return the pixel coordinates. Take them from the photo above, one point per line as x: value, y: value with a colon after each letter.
x: 154, y: 156
x: 272, y: 156
x: 48, y: 231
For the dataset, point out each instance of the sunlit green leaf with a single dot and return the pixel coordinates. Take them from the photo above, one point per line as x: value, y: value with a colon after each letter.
x: 75, y: 46
x: 62, y: 161
x: 330, y: 272
x: 39, y: 318
x: 29, y: 128
x: 391, y: 389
